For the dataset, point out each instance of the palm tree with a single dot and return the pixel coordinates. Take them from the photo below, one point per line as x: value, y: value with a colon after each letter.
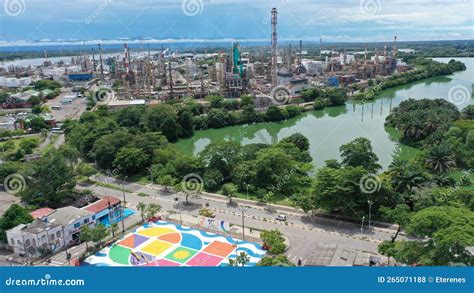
x: 141, y: 207
x: 269, y: 197
x: 440, y: 158
x: 406, y: 178
x: 152, y: 209
x: 241, y: 259
x: 113, y: 228
x: 413, y: 129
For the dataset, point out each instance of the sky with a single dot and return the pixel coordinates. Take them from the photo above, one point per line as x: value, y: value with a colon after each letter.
x: 23, y: 21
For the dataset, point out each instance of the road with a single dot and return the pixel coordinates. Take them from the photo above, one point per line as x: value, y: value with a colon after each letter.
x: 304, y: 233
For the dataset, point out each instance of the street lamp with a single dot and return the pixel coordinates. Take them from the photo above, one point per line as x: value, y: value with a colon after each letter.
x: 179, y: 207
x: 151, y: 174
x: 370, y: 210
x: 362, y: 224
x: 247, y: 186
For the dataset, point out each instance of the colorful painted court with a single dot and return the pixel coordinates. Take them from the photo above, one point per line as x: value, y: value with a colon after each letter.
x: 166, y: 244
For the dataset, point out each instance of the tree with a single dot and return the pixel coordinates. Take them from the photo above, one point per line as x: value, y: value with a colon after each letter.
x: 99, y: 233
x: 14, y: 216
x: 445, y: 233
x: 216, y: 118
x: 86, y: 170
x: 229, y: 190
x: 399, y: 215
x: 185, y: 120
x: 407, y: 176
x: 337, y: 96
x: 359, y: 153
x: 51, y: 181
x: 113, y: 228
x: 213, y: 179
x: 36, y: 123
x: 298, y: 140
x: 86, y: 235
x: 221, y: 156
x: 275, y: 261
x: 241, y: 259
x: 269, y: 198
x: 141, y: 208
x: 246, y: 100
x: 152, y: 209
x: 440, y: 158
x: 131, y: 160
x: 162, y: 118
x: 215, y: 101
x: 274, y: 242
x: 106, y: 147
x: 274, y: 113
x: 167, y: 181
x: 70, y: 153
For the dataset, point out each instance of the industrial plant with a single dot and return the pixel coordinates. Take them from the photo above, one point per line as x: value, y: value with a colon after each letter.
x: 148, y: 76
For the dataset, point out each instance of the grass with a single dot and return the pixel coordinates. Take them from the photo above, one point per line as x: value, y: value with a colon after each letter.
x: 16, y: 145
x: 140, y: 179
x: 278, y: 199
x: 406, y: 152
x: 110, y: 186
x: 53, y: 139
x: 457, y: 174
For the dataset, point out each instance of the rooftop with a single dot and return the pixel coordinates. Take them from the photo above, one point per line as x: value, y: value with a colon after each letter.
x: 101, y: 204
x: 35, y: 227
x: 67, y: 215
x: 39, y: 213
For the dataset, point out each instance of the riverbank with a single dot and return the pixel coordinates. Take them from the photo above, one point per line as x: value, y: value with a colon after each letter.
x: 328, y: 129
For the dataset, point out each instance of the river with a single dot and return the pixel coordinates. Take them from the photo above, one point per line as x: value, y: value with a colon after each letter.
x: 328, y: 129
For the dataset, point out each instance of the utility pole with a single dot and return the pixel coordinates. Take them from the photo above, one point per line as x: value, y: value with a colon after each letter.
x: 123, y: 189
x: 243, y: 224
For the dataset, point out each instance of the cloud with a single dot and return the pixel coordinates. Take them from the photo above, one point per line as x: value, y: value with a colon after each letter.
x: 415, y: 19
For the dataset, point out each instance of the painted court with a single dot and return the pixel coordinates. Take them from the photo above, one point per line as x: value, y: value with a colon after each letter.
x: 166, y: 244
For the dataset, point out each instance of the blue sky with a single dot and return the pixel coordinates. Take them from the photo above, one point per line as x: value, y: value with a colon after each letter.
x: 343, y: 20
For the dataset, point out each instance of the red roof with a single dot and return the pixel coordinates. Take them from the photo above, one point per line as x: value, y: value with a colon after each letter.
x: 102, y: 204
x: 39, y: 213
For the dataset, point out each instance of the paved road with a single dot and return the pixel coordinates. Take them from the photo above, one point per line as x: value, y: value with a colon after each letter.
x: 302, y: 232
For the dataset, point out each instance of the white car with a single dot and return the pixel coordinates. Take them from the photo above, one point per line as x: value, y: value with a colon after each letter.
x: 281, y: 218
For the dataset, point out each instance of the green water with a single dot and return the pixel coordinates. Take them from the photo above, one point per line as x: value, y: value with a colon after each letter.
x: 328, y: 129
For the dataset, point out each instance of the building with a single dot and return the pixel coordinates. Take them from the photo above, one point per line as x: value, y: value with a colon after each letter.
x: 40, y: 213
x: 72, y: 219
x: 298, y: 85
x: 36, y: 238
x: 121, y: 104
x: 13, y: 82
x: 80, y: 76
x: 106, y: 210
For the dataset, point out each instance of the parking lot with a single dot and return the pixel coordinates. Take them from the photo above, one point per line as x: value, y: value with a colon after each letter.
x: 73, y: 110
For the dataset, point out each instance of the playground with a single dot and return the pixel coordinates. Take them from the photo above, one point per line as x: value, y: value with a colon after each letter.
x: 166, y: 244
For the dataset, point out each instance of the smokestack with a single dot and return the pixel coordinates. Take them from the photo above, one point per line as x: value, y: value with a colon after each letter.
x: 395, y: 50
x: 127, y: 66
x: 101, y: 64
x: 274, y: 47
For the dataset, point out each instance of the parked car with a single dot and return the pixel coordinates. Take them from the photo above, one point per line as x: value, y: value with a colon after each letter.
x: 281, y: 217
